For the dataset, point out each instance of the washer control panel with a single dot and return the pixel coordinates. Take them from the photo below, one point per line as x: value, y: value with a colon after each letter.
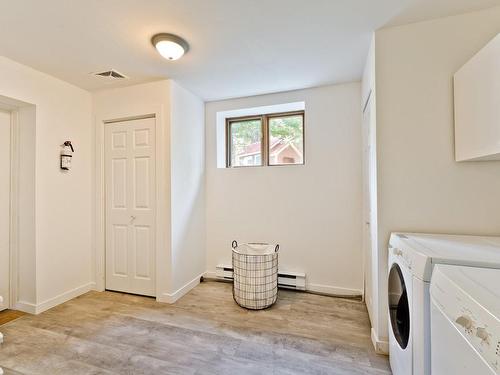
x: 401, y: 255
x: 405, y: 251
x: 476, y: 324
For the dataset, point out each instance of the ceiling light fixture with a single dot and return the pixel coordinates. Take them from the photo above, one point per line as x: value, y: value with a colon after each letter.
x: 170, y: 46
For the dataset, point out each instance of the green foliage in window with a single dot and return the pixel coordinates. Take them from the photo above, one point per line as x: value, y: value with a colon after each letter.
x: 286, y: 127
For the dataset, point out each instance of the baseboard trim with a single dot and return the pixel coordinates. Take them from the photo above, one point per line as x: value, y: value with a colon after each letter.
x: 173, y: 297
x: 27, y: 307
x: 96, y: 288
x: 64, y: 297
x: 210, y: 275
x: 381, y: 347
x: 31, y: 308
x: 333, y: 290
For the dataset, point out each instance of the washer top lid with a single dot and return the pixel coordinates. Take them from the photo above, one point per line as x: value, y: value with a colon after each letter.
x: 426, y: 250
x: 479, y: 284
x: 480, y: 250
x: 469, y: 297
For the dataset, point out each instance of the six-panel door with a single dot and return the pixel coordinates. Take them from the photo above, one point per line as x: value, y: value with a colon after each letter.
x: 130, y: 206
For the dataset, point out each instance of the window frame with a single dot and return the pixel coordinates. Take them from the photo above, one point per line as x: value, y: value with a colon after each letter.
x: 264, y: 119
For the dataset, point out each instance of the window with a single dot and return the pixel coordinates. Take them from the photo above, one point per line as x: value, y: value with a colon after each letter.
x: 245, y: 142
x: 286, y: 139
x: 276, y: 139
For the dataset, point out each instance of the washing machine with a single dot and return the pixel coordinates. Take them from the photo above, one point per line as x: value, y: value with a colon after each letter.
x: 412, y: 257
x: 465, y: 321
x: 400, y: 286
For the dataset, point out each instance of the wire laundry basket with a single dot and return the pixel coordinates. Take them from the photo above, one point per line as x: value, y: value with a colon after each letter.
x: 255, y: 274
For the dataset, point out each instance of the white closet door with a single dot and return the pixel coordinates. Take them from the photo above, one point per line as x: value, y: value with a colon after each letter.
x: 4, y: 208
x: 130, y: 206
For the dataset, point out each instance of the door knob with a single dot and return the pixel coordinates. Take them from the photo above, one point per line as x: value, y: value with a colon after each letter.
x: 132, y: 217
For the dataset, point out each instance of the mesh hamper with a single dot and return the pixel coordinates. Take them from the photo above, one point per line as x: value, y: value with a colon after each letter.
x: 255, y: 274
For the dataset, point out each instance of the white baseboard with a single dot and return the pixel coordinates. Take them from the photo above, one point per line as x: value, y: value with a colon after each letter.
x: 210, y: 275
x: 64, y: 297
x: 27, y: 307
x: 333, y: 290
x: 98, y: 288
x: 381, y: 347
x: 31, y: 308
x: 173, y: 297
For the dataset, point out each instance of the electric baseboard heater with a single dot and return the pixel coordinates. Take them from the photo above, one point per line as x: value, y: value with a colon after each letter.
x: 288, y: 280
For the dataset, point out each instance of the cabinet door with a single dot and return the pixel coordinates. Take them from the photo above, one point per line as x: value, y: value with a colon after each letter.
x: 477, y: 113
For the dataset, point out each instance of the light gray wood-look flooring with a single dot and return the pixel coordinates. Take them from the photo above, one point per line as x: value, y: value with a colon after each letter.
x: 205, y: 332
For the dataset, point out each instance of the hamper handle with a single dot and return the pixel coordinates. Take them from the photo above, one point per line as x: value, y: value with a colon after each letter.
x: 277, y: 248
x: 234, y: 244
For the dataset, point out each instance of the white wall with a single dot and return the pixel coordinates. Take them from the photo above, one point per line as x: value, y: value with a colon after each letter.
x: 314, y: 210
x: 62, y: 200
x: 421, y: 187
x: 187, y: 124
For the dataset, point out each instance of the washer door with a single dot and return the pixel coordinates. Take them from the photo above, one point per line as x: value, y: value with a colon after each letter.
x: 399, y: 308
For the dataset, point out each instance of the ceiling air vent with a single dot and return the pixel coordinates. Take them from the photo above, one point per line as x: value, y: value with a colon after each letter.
x: 110, y: 74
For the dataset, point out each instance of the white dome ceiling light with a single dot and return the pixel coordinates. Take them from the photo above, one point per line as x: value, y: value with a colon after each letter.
x: 170, y: 46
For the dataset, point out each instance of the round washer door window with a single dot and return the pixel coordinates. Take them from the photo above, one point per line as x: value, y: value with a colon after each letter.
x: 399, y: 309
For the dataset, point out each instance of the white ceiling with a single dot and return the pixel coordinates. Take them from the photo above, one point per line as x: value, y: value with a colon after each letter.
x: 238, y: 47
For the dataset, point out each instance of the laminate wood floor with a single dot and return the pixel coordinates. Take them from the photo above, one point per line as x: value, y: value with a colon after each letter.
x: 9, y: 315
x: 205, y: 332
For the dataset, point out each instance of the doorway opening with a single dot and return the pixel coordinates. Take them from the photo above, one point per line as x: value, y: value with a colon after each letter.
x: 17, y: 207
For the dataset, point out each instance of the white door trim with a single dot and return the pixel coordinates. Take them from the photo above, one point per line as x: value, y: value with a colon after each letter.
x: 100, y: 195
x: 14, y: 207
x: 13, y: 204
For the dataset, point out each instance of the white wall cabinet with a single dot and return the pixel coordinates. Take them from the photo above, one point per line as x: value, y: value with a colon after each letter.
x: 477, y: 108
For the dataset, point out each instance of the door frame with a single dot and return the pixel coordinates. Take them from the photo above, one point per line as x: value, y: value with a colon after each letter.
x: 370, y: 239
x: 13, y: 205
x: 161, y: 193
x: 366, y: 132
